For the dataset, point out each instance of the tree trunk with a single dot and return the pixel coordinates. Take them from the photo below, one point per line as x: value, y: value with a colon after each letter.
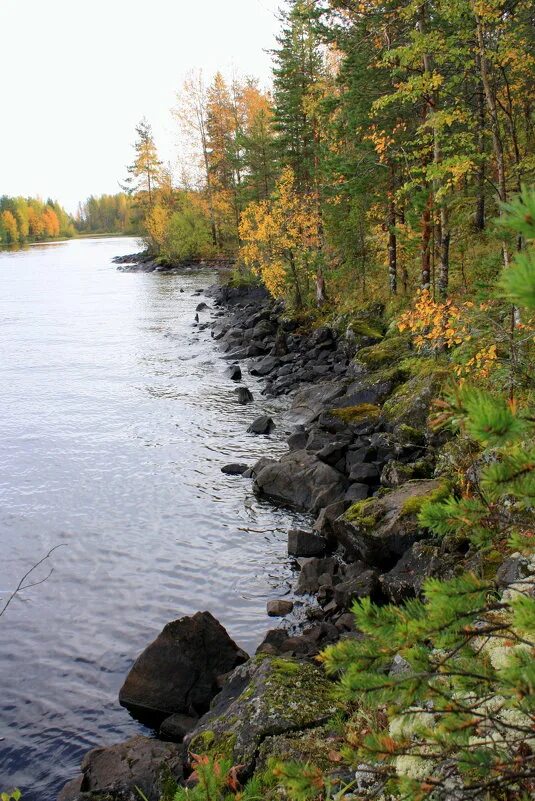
x: 425, y: 246
x: 444, y: 266
x: 479, y: 217
x: 392, y: 246
x: 492, y: 107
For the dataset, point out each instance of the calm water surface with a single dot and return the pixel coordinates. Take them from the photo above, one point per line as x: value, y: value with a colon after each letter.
x: 115, y: 420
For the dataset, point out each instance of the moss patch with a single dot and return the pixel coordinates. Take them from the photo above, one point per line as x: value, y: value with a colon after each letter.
x: 360, y: 514
x: 413, y: 506
x: 356, y: 414
x: 411, y: 401
x: 385, y: 352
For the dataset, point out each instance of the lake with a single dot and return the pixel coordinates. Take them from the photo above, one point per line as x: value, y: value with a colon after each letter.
x: 115, y: 420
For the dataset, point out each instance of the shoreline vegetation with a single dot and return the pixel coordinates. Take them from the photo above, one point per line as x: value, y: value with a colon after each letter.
x: 375, y: 212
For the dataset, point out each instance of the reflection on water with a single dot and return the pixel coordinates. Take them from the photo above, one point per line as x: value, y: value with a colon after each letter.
x: 116, y: 419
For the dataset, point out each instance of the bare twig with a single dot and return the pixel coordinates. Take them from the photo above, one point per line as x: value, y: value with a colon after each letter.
x: 21, y: 586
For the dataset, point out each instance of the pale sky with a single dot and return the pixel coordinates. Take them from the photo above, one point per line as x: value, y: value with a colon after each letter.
x: 78, y: 76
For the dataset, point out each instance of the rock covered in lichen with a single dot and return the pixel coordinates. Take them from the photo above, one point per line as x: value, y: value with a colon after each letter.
x: 273, y: 696
x: 380, y: 529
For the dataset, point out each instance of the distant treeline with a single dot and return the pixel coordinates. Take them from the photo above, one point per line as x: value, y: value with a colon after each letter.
x: 28, y: 219
x: 109, y: 214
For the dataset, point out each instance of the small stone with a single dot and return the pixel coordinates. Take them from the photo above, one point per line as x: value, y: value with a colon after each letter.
x: 244, y: 395
x: 201, y: 307
x: 234, y: 372
x: 279, y: 608
x: 235, y: 469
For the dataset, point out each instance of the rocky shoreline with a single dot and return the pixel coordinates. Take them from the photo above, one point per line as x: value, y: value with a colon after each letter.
x: 361, y: 460
x: 143, y: 262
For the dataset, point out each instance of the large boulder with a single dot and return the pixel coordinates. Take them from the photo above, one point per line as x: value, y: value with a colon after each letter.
x: 409, y: 405
x: 265, y: 697
x: 118, y: 772
x: 178, y: 671
x: 380, y: 529
x: 301, y: 480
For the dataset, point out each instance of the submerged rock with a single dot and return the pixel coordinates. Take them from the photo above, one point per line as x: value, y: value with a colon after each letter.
x: 117, y: 773
x: 234, y: 469
x: 244, y: 395
x: 262, y: 425
x: 178, y: 671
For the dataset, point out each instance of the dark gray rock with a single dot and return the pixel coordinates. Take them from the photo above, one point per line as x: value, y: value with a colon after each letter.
x: 420, y: 562
x: 234, y: 469
x: 117, y: 772
x: 201, y: 306
x: 234, y: 372
x: 297, y: 440
x: 357, y: 492
x: 365, y: 584
x: 177, y: 672
x: 262, y: 425
x: 266, y: 366
x: 301, y: 480
x: 305, y: 543
x: 365, y: 473
x: 244, y: 395
x: 316, y: 573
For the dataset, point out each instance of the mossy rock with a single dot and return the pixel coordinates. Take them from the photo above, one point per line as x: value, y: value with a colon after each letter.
x: 380, y: 529
x: 385, y: 352
x: 410, y: 403
x: 281, y: 695
x: 360, y: 413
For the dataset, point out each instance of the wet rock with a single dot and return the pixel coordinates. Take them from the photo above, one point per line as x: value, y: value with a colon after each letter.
x: 175, y: 727
x: 379, y: 530
x: 118, y: 771
x: 244, y: 395
x: 234, y: 469
x: 305, y: 543
x: 301, y: 480
x: 177, y: 672
x: 234, y: 372
x: 262, y: 425
x: 279, y: 608
x: 281, y: 695
x: 201, y: 306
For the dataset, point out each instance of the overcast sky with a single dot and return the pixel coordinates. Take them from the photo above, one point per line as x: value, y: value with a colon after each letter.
x: 77, y: 77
